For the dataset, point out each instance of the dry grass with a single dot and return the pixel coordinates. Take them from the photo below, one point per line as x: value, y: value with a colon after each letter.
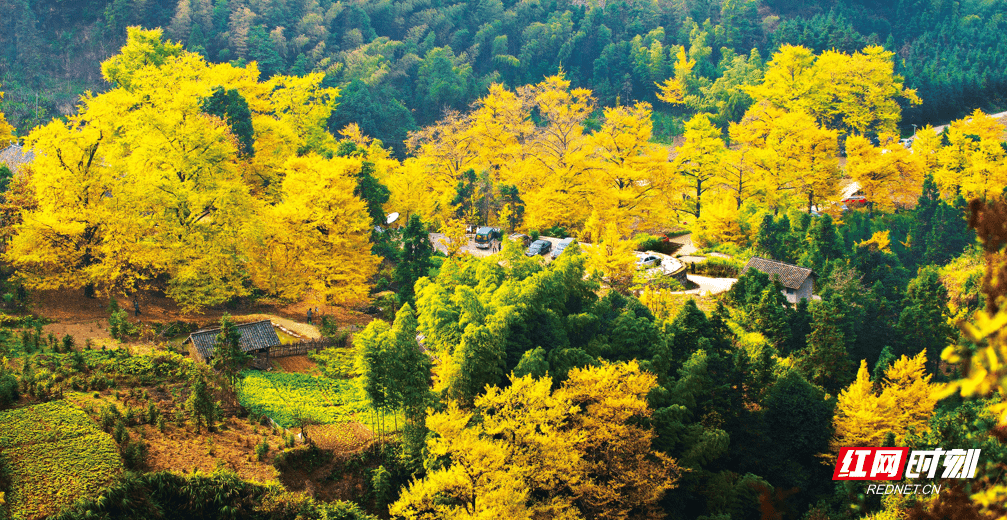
x: 232, y: 445
x: 342, y: 438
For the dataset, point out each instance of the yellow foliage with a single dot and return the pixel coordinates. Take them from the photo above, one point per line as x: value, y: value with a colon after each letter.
x: 864, y: 418
x: 973, y: 163
x: 672, y: 91
x: 613, y: 257
x: 986, y: 369
x: 562, y: 172
x: 318, y: 238
x: 878, y: 240
x: 142, y: 185
x: 720, y: 224
x: 454, y: 236
x: 792, y: 157
x: 6, y: 130
x: 852, y: 93
x: 353, y: 133
x: 527, y: 452
x: 698, y: 161
x: 890, y: 175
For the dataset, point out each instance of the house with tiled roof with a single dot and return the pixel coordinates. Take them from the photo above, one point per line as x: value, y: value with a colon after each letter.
x: 798, y: 282
x: 256, y: 338
x: 16, y: 157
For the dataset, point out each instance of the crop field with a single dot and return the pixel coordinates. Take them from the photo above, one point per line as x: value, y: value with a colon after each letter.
x: 282, y: 396
x: 55, y: 455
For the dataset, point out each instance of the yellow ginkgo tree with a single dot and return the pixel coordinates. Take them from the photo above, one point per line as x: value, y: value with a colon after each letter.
x: 865, y: 417
x: 146, y: 188
x: 6, y: 130
x: 526, y: 451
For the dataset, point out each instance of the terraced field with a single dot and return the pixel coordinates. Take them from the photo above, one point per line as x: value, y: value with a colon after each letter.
x: 55, y: 455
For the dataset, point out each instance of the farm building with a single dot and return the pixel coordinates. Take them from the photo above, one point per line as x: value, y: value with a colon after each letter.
x: 257, y: 338
x: 798, y: 282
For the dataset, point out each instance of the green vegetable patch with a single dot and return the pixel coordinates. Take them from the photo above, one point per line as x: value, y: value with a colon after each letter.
x: 288, y: 397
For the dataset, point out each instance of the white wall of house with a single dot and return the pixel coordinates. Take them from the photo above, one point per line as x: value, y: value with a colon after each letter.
x: 802, y: 293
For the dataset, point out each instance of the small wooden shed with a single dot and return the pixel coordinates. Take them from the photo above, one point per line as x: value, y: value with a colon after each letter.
x: 257, y: 338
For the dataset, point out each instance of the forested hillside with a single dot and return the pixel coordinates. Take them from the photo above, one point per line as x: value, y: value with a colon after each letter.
x: 402, y: 64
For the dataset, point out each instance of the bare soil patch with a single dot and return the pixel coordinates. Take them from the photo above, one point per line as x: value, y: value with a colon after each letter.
x: 300, y: 364
x: 87, y: 318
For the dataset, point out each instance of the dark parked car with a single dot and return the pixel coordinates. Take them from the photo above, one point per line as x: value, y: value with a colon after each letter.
x: 538, y: 247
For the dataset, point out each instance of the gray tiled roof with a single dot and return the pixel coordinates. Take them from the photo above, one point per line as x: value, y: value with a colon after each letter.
x: 254, y: 336
x: 15, y: 156
x: 791, y: 276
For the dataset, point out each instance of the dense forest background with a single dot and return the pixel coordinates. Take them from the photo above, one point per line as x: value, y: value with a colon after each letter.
x: 401, y: 64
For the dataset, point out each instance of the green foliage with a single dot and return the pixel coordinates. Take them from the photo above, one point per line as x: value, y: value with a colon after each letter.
x: 261, y: 449
x: 825, y: 361
x: 228, y: 357
x: 414, y: 260
x: 533, y: 363
x: 798, y: 425
x: 220, y: 494
x: 119, y: 326
x: 885, y: 360
x: 231, y: 106
x: 200, y: 405
x: 9, y: 383
x: 715, y: 267
x: 381, y: 486
x: 924, y: 321
x: 376, y: 111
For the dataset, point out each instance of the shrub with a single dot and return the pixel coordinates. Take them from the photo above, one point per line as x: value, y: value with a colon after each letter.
x: 68, y: 343
x: 153, y: 414
x: 118, y: 323
x: 556, y: 232
x: 647, y: 242
x: 120, y: 434
x: 134, y: 454
x: 8, y: 390
x: 718, y: 268
x: 109, y: 417
x: 261, y: 450
x: 160, y: 423
x: 130, y: 416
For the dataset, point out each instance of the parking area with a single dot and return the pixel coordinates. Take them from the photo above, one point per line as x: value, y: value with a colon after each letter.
x: 470, y: 247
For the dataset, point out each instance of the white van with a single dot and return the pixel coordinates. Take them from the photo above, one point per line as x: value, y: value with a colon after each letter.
x: 561, y: 245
